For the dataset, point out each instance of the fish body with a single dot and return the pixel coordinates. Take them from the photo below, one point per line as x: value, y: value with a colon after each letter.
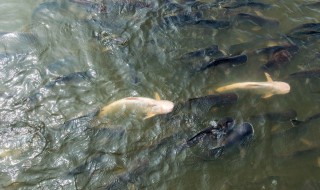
x: 306, y: 74
x: 277, y: 116
x: 238, y: 134
x: 222, y: 129
x: 231, y: 60
x: 259, y: 20
x: 268, y: 88
x: 202, y: 52
x: 148, y: 106
x: 257, y: 5
x: 309, y: 119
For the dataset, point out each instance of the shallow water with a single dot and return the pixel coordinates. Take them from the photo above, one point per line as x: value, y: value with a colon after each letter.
x: 62, y: 60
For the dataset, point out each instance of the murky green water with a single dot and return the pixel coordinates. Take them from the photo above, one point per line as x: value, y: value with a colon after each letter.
x: 50, y: 138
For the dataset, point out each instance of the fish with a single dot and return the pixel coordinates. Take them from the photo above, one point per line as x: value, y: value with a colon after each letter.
x: 259, y: 20
x: 238, y: 134
x: 307, y: 120
x: 71, y: 78
x: 218, y: 24
x: 232, y: 60
x: 306, y: 74
x: 305, y: 33
x: 209, y: 51
x: 179, y: 20
x: 148, y: 106
x: 292, y: 48
x: 277, y: 116
x: 222, y: 128
x: 204, y: 104
x: 268, y: 88
x: 187, y: 20
x: 279, y: 55
x: 257, y: 5
x: 278, y: 58
x: 315, y: 5
x: 169, y: 147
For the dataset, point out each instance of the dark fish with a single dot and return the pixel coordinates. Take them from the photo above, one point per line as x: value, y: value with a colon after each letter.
x: 261, y: 21
x: 306, y: 74
x: 179, y: 20
x: 221, y: 129
x: 71, y: 78
x: 239, y: 135
x: 202, y: 52
x: 305, y: 33
x: 309, y: 119
x: 218, y: 24
x: 313, y: 5
x: 305, y: 27
x: 232, y: 60
x: 282, y: 116
x: 205, y: 103
x: 279, y: 55
x: 257, y: 5
x: 278, y: 58
x: 273, y: 49
x: 194, y: 19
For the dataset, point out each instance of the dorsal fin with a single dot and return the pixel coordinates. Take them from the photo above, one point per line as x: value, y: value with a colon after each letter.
x: 157, y: 96
x: 269, y: 79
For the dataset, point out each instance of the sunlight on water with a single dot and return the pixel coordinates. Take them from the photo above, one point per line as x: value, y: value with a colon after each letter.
x: 61, y: 61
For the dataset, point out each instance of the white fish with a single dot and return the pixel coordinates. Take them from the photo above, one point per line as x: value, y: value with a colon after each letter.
x: 148, y: 106
x: 268, y: 88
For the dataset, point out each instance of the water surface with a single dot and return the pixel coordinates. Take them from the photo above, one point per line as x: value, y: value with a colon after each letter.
x: 62, y: 60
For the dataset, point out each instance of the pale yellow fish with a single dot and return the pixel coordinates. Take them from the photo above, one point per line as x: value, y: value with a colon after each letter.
x: 267, y: 89
x: 148, y: 106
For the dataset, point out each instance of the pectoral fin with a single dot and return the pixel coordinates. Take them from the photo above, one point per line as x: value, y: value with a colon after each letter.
x: 267, y: 95
x: 149, y: 115
x: 269, y: 79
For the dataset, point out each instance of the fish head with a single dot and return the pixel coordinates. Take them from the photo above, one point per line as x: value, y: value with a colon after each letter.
x: 162, y: 107
x: 281, y: 88
x: 239, y: 134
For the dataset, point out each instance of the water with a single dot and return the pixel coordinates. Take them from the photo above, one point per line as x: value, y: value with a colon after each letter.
x: 50, y: 139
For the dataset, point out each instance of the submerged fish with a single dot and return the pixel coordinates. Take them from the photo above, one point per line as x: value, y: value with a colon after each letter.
x: 205, y: 103
x: 247, y: 4
x: 277, y: 116
x: 309, y: 119
x: 188, y: 20
x: 202, y: 52
x: 72, y: 78
x: 305, y: 33
x: 273, y: 49
x: 222, y: 128
x: 148, y: 106
x: 232, y: 60
x: 236, y: 136
x: 268, y: 88
x: 306, y: 74
x: 259, y: 20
